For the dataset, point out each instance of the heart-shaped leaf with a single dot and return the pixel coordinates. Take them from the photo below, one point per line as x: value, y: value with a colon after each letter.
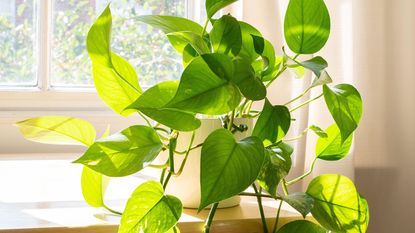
x: 306, y: 26
x: 115, y: 79
x: 172, y: 24
x: 229, y: 164
x: 315, y: 64
x: 248, y: 50
x: 338, y: 207
x: 273, y: 123
x: 58, y: 130
x: 301, y: 226
x: 205, y: 86
x: 332, y: 148
x: 152, y: 103
x: 302, y: 202
x: 93, y: 186
x: 244, y: 77
x: 150, y: 211
x: 124, y: 153
x: 345, y: 105
x: 318, y: 131
x: 226, y: 36
x: 189, y: 53
x: 276, y: 166
x: 169, y: 24
x: 264, y: 48
x: 213, y: 6
x: 179, y: 39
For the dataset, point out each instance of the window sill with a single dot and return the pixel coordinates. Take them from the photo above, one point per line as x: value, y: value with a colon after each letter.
x: 44, y: 196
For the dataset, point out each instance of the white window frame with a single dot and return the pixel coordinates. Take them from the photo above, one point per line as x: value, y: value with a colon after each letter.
x: 45, y: 98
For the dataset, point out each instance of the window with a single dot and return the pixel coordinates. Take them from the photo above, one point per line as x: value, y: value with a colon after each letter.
x: 43, y: 41
x: 18, y: 46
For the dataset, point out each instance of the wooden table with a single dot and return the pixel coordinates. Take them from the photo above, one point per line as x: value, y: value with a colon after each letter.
x: 45, y: 196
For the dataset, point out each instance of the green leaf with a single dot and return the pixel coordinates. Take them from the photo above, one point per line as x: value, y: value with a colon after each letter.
x: 229, y: 164
x: 58, y: 130
x: 179, y: 39
x: 338, y: 206
x: 323, y: 79
x: 175, y: 229
x: 205, y: 86
x: 345, y: 105
x: 93, y: 186
x: 123, y: 153
x: 297, y: 70
x: 244, y: 77
x: 107, y: 132
x: 170, y: 24
x: 315, y: 64
x: 152, y: 103
x: 306, y: 26
x: 332, y: 148
x: 302, y: 202
x: 301, y: 226
x: 276, y: 166
x: 364, y: 218
x: 226, y: 36
x: 248, y: 50
x: 150, y: 211
x: 189, y: 53
x: 115, y: 79
x: 273, y: 123
x: 264, y: 48
x: 319, y: 131
x: 213, y: 6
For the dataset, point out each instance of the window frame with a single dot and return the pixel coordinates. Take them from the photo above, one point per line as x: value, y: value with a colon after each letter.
x: 44, y: 97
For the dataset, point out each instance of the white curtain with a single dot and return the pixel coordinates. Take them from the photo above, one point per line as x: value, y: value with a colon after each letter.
x: 372, y: 46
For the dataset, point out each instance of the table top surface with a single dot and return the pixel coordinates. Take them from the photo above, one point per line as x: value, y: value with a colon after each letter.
x: 46, y: 194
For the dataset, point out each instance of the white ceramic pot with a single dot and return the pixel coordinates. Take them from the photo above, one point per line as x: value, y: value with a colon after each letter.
x: 187, y: 186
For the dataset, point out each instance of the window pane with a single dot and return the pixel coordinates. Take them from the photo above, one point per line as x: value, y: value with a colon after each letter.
x: 146, y: 49
x: 18, y: 43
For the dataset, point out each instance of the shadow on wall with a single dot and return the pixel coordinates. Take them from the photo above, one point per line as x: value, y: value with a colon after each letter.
x: 383, y: 208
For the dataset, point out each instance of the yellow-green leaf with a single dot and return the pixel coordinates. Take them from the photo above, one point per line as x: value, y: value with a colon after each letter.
x: 149, y: 210
x: 93, y: 186
x: 115, y: 79
x: 58, y: 130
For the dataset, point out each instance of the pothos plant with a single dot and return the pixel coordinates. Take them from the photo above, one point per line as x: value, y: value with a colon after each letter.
x: 226, y: 70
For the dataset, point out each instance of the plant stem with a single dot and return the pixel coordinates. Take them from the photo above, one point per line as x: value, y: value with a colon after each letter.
x: 111, y: 210
x: 256, y: 195
x: 297, y: 137
x: 242, y: 108
x: 159, y: 166
x: 178, y: 173
x: 275, y: 228
x: 210, y: 217
x: 304, y: 175
x: 248, y: 110
x: 167, y: 180
x: 162, y: 175
x: 145, y: 118
x: 261, y: 209
x: 305, y: 103
x: 231, y: 121
x: 205, y: 27
x: 184, y: 152
x: 284, y: 187
x: 276, y: 76
x: 298, y: 97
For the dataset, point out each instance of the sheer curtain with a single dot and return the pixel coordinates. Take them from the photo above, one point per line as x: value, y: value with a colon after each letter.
x: 372, y: 46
